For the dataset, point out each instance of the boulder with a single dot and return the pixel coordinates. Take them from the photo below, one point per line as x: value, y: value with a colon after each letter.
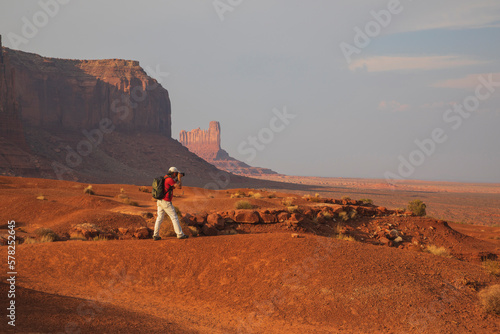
x: 215, y: 220
x: 142, y: 232
x: 247, y: 217
x: 209, y: 230
x: 268, y: 218
x: 283, y: 216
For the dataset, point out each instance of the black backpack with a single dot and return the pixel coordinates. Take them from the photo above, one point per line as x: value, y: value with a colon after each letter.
x: 159, y: 188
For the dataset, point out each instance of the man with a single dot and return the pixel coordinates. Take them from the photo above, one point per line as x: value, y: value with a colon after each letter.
x: 165, y: 205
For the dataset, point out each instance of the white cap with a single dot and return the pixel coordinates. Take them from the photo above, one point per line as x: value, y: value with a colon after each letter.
x: 173, y: 170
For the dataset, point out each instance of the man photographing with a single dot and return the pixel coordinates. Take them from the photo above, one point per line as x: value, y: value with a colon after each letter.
x: 173, y: 179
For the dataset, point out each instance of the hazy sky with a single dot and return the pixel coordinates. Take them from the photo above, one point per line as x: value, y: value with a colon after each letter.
x: 324, y: 88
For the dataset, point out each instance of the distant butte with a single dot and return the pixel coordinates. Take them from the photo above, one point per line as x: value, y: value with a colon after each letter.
x: 207, y: 145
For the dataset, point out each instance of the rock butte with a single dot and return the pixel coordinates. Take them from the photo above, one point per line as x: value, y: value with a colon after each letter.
x: 207, y: 145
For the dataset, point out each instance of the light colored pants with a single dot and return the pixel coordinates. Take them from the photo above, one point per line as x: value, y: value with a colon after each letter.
x: 167, y: 207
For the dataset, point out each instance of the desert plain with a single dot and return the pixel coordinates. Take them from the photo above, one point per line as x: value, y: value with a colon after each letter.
x: 299, y: 260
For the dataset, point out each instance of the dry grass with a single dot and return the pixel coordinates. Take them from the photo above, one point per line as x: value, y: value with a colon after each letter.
x: 492, y: 267
x: 353, y: 214
x: 100, y: 238
x: 490, y: 299
x: 238, y: 194
x: 45, y: 234
x: 344, y: 216
x: 326, y: 215
x: 243, y: 205
x: 366, y: 201
x: 272, y: 195
x: 89, y: 190
x: 345, y: 198
x: 439, y: 251
x: 345, y: 237
x: 293, y: 209
x: 194, y: 231
x: 77, y: 236
x: 288, y: 201
x: 257, y: 196
x: 144, y: 189
x: 43, y: 239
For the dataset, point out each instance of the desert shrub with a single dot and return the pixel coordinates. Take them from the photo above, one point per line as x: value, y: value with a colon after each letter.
x: 345, y: 198
x: 316, y: 198
x: 238, y: 194
x: 77, y: 236
x: 41, y: 197
x: 353, y: 214
x: 167, y: 229
x: 435, y: 250
x: 194, y: 231
x: 417, y: 207
x: 100, y: 238
x: 293, y: 209
x: 45, y: 234
x: 366, y: 201
x: 243, y: 205
x: 326, y: 215
x: 341, y: 236
x: 343, y: 216
x: 257, y: 195
x: 288, y: 201
x: 490, y: 299
x: 89, y: 190
x: 272, y: 195
x: 144, y: 189
x: 129, y: 202
x: 492, y: 267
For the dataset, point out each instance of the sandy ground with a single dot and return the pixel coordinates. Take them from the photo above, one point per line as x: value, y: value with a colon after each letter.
x: 261, y: 280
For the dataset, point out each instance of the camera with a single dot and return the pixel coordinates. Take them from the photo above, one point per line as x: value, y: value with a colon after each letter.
x: 182, y: 174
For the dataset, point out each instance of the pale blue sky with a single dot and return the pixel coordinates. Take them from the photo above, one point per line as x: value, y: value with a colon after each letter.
x: 357, y: 119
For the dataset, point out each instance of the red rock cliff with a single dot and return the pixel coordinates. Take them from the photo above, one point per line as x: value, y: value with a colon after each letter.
x: 206, y: 144
x: 10, y: 123
x: 77, y: 94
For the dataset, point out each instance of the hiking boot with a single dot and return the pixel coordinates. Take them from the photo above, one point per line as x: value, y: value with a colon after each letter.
x: 156, y: 238
x: 183, y: 237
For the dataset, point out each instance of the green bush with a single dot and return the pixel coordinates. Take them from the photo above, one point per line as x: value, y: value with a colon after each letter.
x: 417, y: 207
x: 243, y: 205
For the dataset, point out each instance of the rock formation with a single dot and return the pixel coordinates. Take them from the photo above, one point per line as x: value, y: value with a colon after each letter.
x: 71, y: 94
x: 204, y: 143
x: 207, y: 145
x: 10, y: 123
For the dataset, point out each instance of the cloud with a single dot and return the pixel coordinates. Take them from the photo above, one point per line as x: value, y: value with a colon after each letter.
x: 468, y: 82
x: 393, y: 106
x: 395, y: 63
x: 450, y: 14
